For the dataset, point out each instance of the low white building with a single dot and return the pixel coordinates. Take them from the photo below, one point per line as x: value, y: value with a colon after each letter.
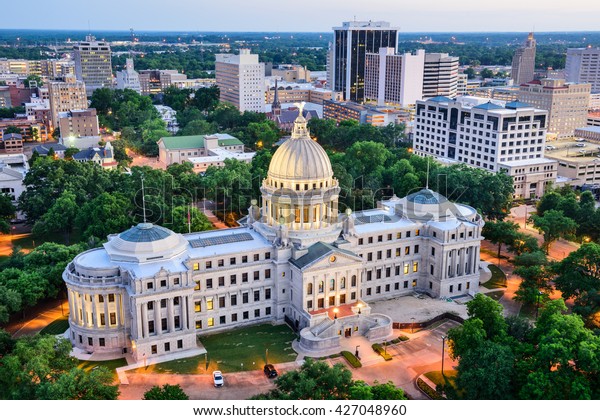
x: 169, y: 116
x: 129, y: 78
x: 13, y: 168
x: 202, y: 151
x: 150, y: 292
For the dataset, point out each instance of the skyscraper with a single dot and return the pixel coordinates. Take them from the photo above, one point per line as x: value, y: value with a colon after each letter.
x: 352, y: 41
x: 66, y: 96
x: 395, y: 79
x: 241, y: 80
x: 440, y: 76
x: 523, y: 63
x: 583, y: 66
x: 93, y: 64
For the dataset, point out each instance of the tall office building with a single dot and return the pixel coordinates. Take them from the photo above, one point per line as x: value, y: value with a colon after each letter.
x: 66, y: 96
x: 523, y: 63
x: 394, y: 79
x: 129, y: 78
x: 93, y: 64
x: 583, y: 66
x: 241, y: 80
x: 566, y: 103
x: 495, y: 136
x: 440, y: 76
x: 352, y: 42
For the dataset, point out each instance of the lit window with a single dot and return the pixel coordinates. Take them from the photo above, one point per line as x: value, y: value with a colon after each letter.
x: 209, y: 304
x: 211, y: 322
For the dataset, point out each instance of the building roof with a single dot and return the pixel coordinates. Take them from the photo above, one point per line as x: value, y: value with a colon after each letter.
x: 197, y: 142
x: 316, y: 252
x: 89, y: 153
x: 145, y: 232
x: 44, y: 149
x: 300, y: 158
x: 12, y: 136
x: 517, y: 105
x: 440, y: 99
x: 426, y: 196
x: 488, y: 106
x: 591, y: 128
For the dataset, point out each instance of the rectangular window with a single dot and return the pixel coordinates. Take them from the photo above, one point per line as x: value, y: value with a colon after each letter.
x: 309, y: 304
x: 256, y: 257
x: 368, y: 291
x: 176, y: 281
x: 433, y: 251
x: 245, y: 297
x: 222, y: 320
x: 197, y: 286
x: 179, y: 344
x: 221, y: 301
x: 380, y: 238
x: 163, y: 283
x: 167, y: 346
x: 232, y: 261
x: 113, y: 318
x: 221, y: 281
x: 102, y: 319
x: 370, y: 256
x: 163, y: 324
x: 415, y: 266
x: 431, y: 270
x: 369, y: 275
x: 246, y: 315
x: 111, y: 297
x: 101, y: 342
x: 256, y: 313
x: 244, y: 259
x: 406, y: 250
x: 220, y: 263
x: 267, y: 255
x: 208, y: 264
x: 211, y: 322
x: 209, y: 304
x: 244, y: 277
x: 378, y: 273
x: 233, y: 317
x: 388, y: 253
x: 197, y: 306
x: 154, y: 349
x: 256, y: 295
x: 197, y: 266
x: 257, y: 275
x: 398, y: 252
x: 233, y: 279
x: 209, y: 283
x: 100, y: 298
x: 353, y: 295
x: 233, y: 300
x: 378, y: 289
x: 268, y: 293
x: 150, y: 327
x: 379, y: 255
x: 176, y: 300
x: 416, y: 249
x: 459, y: 287
x: 268, y: 273
x: 360, y: 241
x: 149, y: 285
x: 406, y: 268
x: 405, y: 285
x: 198, y: 325
x: 408, y: 234
x: 414, y: 283
x: 388, y: 272
x: 163, y: 303
x: 396, y: 286
x: 268, y: 311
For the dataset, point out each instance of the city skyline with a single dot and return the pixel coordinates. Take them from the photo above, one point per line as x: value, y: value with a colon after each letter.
x: 465, y: 15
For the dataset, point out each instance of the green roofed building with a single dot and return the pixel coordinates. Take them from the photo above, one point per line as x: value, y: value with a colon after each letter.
x: 202, y: 151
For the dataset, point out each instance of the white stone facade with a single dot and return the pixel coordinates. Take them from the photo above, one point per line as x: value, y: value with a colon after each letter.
x: 295, y: 259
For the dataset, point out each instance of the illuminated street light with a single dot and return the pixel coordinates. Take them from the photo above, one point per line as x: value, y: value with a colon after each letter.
x: 443, y: 348
x: 335, y: 312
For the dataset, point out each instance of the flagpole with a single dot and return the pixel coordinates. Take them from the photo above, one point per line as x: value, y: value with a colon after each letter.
x: 189, y: 220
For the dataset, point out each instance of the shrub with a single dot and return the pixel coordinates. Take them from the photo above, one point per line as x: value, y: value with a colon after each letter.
x: 354, y: 362
x: 378, y: 348
x: 431, y: 393
x: 403, y: 338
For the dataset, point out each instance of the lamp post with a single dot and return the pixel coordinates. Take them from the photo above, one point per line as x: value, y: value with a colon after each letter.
x: 443, y: 348
x: 335, y: 312
x: 412, y: 325
x: 359, y: 306
x: 356, y: 352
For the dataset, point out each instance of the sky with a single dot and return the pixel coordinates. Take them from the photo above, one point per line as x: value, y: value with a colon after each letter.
x: 304, y: 15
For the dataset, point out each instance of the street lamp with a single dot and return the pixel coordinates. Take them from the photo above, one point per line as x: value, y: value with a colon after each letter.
x: 412, y: 325
x: 335, y: 312
x: 443, y: 348
x: 537, y: 305
x: 359, y: 306
x: 356, y: 352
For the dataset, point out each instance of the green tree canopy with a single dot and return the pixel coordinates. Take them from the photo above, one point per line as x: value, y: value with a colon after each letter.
x: 554, y: 225
x: 166, y: 392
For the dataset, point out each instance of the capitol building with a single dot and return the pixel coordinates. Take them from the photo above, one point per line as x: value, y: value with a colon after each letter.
x: 296, y: 258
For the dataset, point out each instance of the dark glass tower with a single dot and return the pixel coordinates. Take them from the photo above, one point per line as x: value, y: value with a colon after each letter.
x: 351, y: 43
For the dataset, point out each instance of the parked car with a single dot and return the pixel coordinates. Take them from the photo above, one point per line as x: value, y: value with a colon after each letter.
x: 580, y: 144
x: 218, y: 379
x: 270, y: 371
x: 550, y: 147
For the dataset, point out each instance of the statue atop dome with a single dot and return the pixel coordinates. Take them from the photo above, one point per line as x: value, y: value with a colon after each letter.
x: 300, y: 129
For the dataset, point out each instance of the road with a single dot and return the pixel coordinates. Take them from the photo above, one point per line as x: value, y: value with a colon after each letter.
x: 422, y: 353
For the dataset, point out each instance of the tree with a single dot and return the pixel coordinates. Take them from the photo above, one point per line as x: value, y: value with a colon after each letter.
x: 197, y: 127
x: 500, y: 232
x: 167, y: 392
x: 7, y: 212
x: 554, y: 225
x: 70, y: 152
x: 549, y: 201
x: 486, y: 74
x: 198, y: 221
x: 470, y: 72
x: 11, y: 129
x: 37, y: 81
x: 578, y: 277
x: 10, y: 303
x: 105, y: 214
x: 59, y: 218
x: 360, y: 390
x: 490, y: 312
x: 523, y: 243
x: 76, y: 384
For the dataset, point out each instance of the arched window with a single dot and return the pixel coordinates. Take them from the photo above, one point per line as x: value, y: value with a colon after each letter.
x: 353, y: 284
x: 309, y: 289
x: 343, y: 283
x: 321, y: 286
x: 332, y: 284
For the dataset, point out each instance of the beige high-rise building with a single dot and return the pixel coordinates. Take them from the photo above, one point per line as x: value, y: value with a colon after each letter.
x: 291, y: 73
x: 93, y: 64
x: 394, y: 79
x: 440, y: 77
x: 523, y: 63
x: 566, y: 103
x: 79, y: 123
x: 66, y: 96
x: 583, y: 66
x: 241, y: 80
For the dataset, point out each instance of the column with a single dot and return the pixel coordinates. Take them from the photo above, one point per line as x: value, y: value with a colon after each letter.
x: 140, y: 325
x: 170, y: 316
x: 84, y: 311
x: 144, y: 320
x: 106, y: 314
x: 184, y: 314
x: 158, y: 317
x: 71, y: 312
x: 118, y: 309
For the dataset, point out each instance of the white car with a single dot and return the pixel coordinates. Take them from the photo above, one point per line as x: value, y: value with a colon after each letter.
x: 580, y: 144
x: 218, y: 379
x: 550, y: 147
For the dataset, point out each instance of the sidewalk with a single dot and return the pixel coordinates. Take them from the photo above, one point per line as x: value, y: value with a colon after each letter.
x: 38, y: 318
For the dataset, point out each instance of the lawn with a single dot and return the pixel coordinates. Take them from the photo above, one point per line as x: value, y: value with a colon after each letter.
x: 111, y: 365
x: 498, y: 278
x: 58, y: 326
x: 449, y: 378
x: 234, y: 351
